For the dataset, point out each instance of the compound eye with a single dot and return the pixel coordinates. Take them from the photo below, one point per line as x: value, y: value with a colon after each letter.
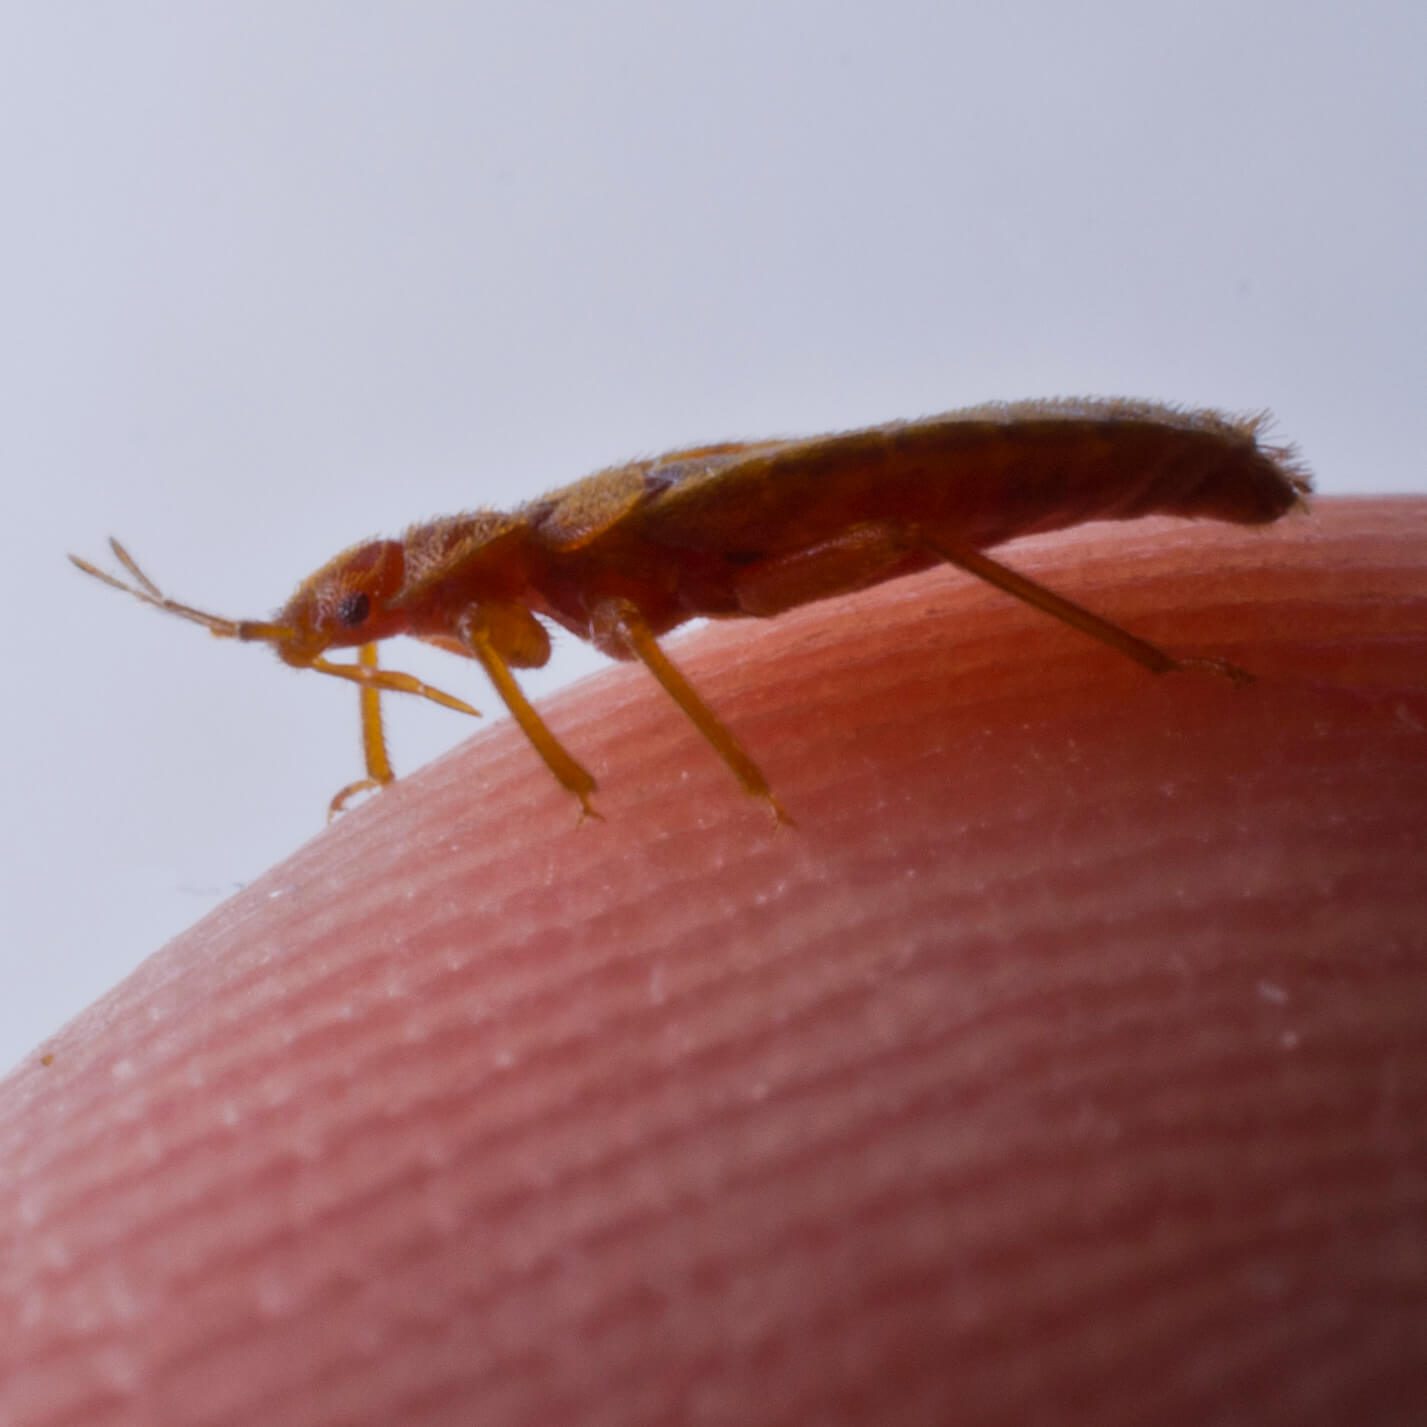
x: 354, y: 609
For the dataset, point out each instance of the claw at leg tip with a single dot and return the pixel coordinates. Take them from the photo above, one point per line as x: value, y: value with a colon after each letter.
x: 781, y: 816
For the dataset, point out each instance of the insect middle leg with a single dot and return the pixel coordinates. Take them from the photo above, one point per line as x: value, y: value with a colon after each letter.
x: 570, y: 774
x: 619, y: 627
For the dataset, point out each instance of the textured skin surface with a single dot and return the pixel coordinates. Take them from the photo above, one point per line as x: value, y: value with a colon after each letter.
x: 1065, y: 1065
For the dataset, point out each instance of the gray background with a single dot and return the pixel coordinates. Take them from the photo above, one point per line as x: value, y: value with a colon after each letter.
x: 278, y: 276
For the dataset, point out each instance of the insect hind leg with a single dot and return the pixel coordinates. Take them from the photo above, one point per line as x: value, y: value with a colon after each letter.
x: 862, y: 556
x: 870, y: 553
x: 1031, y: 592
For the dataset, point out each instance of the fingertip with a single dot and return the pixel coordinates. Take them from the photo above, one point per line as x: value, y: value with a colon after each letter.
x: 1039, y: 1070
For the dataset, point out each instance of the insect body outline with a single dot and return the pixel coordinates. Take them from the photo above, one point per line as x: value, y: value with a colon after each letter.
x: 752, y: 529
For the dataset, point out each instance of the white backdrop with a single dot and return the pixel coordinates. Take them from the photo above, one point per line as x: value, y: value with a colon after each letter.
x: 284, y: 274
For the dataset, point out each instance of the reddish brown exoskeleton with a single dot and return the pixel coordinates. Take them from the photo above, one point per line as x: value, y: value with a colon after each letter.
x: 755, y: 528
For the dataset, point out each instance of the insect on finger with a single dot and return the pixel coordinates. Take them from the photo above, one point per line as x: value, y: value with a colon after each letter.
x: 752, y: 529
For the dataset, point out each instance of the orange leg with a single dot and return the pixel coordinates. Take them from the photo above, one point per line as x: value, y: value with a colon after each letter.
x: 620, y: 620
x: 869, y: 553
x: 568, y: 772
x: 379, y: 769
x: 859, y: 557
x: 1077, y: 616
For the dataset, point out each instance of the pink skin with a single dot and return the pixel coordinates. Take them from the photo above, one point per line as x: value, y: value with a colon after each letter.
x: 1065, y: 1064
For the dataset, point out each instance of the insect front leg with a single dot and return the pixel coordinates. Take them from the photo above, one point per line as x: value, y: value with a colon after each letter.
x: 618, y: 627
x: 379, y: 770
x: 476, y: 634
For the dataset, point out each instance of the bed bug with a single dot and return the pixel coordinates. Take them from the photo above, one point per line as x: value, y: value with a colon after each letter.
x: 753, y: 529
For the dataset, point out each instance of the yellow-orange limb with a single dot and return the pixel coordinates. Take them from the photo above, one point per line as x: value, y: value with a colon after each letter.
x: 374, y: 750
x: 570, y: 774
x: 640, y: 640
x: 1077, y: 616
x: 370, y: 677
